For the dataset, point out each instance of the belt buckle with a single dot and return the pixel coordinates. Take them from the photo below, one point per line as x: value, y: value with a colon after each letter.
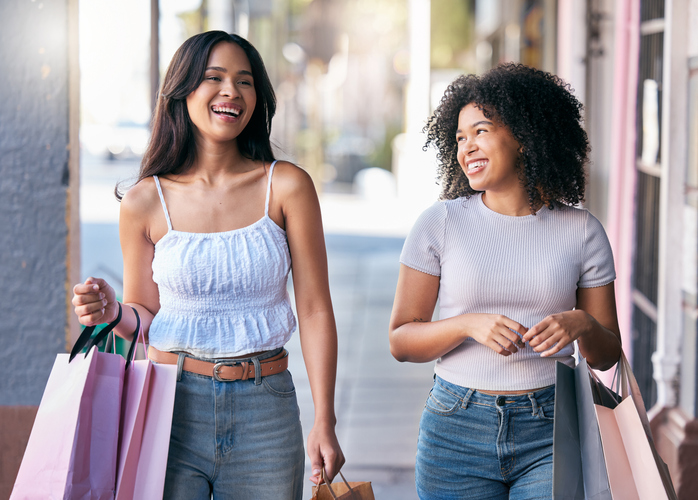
x: 218, y: 366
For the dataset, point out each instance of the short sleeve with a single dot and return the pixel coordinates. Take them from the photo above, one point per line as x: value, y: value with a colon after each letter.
x: 597, y: 264
x: 424, y: 245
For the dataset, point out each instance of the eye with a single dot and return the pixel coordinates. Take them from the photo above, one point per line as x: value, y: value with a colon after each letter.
x: 480, y: 130
x: 245, y: 82
x: 213, y: 78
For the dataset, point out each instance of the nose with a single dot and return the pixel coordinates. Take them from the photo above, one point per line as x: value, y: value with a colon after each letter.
x: 228, y: 89
x: 468, y: 145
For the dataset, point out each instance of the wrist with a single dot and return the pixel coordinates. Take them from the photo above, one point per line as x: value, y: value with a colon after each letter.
x: 326, y: 422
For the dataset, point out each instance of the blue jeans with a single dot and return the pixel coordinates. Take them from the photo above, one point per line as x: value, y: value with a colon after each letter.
x: 475, y: 445
x: 235, y: 440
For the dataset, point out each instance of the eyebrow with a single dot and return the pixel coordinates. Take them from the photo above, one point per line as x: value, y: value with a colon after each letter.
x: 223, y: 70
x: 481, y: 122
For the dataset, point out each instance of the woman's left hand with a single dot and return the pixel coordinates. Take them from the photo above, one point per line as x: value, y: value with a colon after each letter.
x: 324, y: 451
x: 558, y: 330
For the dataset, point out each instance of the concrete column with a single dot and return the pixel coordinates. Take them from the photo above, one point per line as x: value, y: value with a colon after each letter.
x: 38, y: 205
x: 415, y: 170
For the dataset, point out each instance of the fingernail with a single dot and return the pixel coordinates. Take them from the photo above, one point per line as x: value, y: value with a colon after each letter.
x: 316, y: 471
x: 101, y: 295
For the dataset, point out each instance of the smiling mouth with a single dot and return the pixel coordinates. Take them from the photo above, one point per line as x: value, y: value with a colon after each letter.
x: 476, y: 166
x: 225, y: 111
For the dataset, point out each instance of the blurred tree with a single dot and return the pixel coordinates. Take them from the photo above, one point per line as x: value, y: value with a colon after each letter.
x: 452, y: 32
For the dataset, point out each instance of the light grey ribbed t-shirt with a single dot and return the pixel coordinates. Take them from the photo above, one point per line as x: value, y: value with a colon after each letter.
x: 525, y: 268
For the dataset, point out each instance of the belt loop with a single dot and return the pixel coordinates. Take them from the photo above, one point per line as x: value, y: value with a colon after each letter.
x: 257, y: 371
x: 466, y: 399
x: 534, y: 403
x: 180, y: 366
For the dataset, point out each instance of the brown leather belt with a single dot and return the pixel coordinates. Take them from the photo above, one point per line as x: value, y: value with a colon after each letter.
x: 224, y: 371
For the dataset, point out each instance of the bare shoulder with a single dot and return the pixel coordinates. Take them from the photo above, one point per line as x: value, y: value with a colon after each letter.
x: 290, y: 179
x: 141, y: 199
x: 142, y: 213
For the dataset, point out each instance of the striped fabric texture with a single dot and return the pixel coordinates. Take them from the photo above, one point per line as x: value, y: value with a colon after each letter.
x: 525, y: 268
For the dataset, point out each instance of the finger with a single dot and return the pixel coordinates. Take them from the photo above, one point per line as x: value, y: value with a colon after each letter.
x: 83, y: 288
x: 535, y: 330
x: 330, y: 464
x: 91, y: 319
x: 550, y: 342
x: 516, y: 327
x: 316, y: 465
x: 87, y: 298
x: 497, y: 347
x: 91, y: 308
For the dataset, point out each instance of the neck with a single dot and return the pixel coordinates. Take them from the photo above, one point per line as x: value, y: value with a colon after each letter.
x: 507, y: 203
x: 216, y: 158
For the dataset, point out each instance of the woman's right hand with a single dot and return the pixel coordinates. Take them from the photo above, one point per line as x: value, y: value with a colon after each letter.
x: 95, y: 302
x: 495, y: 331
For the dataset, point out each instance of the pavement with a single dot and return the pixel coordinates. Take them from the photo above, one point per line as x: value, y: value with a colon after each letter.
x: 378, y: 400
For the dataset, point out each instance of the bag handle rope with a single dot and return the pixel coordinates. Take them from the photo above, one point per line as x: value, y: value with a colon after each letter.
x: 329, y: 486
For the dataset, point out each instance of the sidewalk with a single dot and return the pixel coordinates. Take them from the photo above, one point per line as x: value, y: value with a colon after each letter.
x: 378, y: 400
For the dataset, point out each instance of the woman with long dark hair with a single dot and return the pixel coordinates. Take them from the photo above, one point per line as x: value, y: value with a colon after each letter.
x: 521, y: 275
x: 209, y: 233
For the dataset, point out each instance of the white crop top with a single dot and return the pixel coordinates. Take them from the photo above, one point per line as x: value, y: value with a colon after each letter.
x: 222, y: 294
x: 525, y: 268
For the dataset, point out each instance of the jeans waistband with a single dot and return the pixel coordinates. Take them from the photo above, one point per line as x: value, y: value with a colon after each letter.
x: 533, y: 399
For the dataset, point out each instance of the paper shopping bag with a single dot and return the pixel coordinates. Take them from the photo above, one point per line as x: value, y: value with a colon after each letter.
x: 147, y: 407
x: 635, y: 469
x: 71, y: 452
x: 343, y: 491
x: 133, y: 412
x: 567, y: 453
x: 594, y: 473
x: 155, y: 445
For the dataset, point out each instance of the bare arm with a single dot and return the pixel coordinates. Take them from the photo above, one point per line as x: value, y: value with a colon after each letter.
x: 414, y: 337
x: 318, y: 332
x: 594, y: 323
x: 95, y: 300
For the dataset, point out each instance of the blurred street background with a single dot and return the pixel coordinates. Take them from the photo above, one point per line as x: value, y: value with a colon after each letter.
x: 355, y: 82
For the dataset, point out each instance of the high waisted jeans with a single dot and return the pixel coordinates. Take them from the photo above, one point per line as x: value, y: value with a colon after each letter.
x: 475, y: 445
x: 235, y: 440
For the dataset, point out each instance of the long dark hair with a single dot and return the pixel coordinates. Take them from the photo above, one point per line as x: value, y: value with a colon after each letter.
x: 172, y: 149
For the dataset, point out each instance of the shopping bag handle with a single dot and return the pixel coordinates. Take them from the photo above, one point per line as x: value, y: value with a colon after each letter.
x: 138, y: 335
x: 329, y: 486
x: 84, y: 337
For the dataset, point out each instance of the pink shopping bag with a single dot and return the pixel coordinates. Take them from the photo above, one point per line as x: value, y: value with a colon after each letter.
x: 71, y: 453
x: 635, y: 469
x: 147, y: 407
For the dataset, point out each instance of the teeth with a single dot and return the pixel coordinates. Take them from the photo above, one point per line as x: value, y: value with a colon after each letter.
x: 219, y: 109
x: 477, y: 164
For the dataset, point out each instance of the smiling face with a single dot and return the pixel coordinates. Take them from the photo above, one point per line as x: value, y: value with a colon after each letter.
x: 223, y: 103
x: 487, y: 152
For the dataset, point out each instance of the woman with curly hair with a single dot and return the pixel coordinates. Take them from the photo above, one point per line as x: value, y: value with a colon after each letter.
x: 521, y: 275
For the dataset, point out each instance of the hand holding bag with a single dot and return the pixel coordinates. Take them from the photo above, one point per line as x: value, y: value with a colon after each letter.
x: 342, y: 491
x: 71, y: 453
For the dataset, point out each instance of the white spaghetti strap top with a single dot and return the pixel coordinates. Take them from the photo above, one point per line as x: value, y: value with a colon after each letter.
x: 223, y: 294
x: 162, y: 200
x: 167, y: 213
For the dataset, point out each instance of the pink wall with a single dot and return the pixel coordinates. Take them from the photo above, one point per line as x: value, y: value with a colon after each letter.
x: 621, y: 200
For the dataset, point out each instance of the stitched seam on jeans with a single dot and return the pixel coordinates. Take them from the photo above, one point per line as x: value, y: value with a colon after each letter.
x: 448, y: 391
x: 513, y: 451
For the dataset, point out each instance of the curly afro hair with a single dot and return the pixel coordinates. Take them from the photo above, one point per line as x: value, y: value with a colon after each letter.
x: 542, y: 114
